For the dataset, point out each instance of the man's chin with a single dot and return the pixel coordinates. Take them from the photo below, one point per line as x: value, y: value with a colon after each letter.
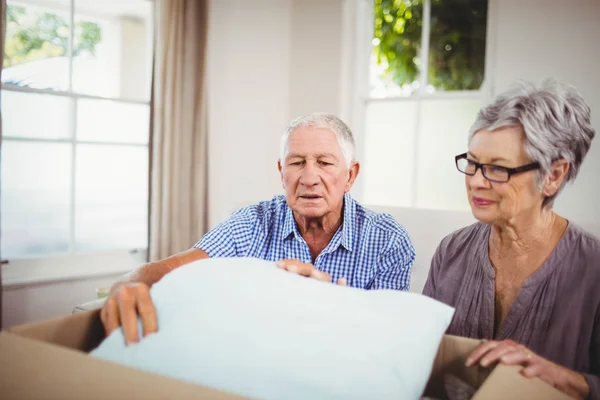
x: 308, y: 211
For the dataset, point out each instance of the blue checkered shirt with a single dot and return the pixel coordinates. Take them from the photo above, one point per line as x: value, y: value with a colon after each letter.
x: 371, y: 250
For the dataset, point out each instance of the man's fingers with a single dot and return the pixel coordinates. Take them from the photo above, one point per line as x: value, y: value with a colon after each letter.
x: 305, y: 269
x: 147, y: 312
x: 320, y: 275
x: 128, y: 314
x: 342, y: 282
x: 110, y: 315
x: 290, y: 262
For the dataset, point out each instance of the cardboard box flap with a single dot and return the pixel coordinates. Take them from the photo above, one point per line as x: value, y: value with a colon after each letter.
x: 81, y: 331
x: 30, y: 369
x: 450, y: 360
x: 506, y: 382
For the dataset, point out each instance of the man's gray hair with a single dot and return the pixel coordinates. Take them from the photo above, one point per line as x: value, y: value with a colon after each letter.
x: 556, y: 121
x: 324, y: 121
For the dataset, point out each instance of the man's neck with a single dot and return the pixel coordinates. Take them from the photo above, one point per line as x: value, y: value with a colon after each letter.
x: 318, y: 232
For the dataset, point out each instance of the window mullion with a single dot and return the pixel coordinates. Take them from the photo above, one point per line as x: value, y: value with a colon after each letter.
x: 73, y: 133
x: 71, y: 42
x: 423, y: 78
x: 425, y: 35
x: 72, y: 195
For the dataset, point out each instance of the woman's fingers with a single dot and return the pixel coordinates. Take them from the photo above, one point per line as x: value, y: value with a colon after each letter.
x: 480, y: 351
x: 519, y: 356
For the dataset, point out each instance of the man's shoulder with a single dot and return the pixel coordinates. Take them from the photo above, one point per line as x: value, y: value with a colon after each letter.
x: 261, y: 212
x: 379, y: 221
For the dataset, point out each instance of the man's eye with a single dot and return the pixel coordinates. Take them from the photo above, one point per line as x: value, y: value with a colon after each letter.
x: 325, y: 163
x: 296, y: 163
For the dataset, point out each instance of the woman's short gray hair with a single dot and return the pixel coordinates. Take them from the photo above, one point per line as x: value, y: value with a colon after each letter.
x: 325, y: 121
x: 556, y: 121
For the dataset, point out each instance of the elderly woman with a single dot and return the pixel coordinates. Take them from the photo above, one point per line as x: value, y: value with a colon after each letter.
x: 523, y: 277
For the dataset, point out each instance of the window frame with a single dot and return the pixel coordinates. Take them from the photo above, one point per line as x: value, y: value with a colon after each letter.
x: 72, y: 140
x: 362, y: 53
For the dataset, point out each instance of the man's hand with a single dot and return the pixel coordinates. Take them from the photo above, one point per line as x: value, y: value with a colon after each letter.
x: 511, y: 353
x: 308, y: 270
x: 125, y: 303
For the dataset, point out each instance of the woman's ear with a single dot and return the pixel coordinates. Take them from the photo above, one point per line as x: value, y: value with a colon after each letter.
x: 556, y: 176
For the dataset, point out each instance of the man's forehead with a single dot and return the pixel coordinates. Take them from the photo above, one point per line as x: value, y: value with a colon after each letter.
x: 311, y: 155
x: 313, y: 141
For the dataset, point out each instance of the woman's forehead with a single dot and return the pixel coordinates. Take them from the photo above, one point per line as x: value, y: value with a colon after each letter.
x: 506, y: 144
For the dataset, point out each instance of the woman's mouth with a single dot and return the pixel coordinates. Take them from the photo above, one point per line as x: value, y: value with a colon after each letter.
x: 481, y: 202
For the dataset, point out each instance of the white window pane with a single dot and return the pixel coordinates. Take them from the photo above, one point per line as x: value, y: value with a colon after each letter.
x: 387, y: 170
x: 112, y: 121
x: 51, y: 115
x: 36, y: 185
x: 116, y: 60
x: 111, y: 197
x: 443, y: 133
x: 36, y: 46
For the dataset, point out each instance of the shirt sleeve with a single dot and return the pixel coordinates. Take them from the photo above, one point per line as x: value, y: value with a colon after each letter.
x: 232, y: 237
x: 395, y: 264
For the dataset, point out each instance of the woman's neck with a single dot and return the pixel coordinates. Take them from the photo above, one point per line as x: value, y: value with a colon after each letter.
x: 517, y: 237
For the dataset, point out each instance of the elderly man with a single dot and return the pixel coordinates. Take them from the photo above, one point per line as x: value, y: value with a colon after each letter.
x: 316, y: 230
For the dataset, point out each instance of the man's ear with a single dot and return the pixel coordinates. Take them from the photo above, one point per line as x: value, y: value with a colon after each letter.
x: 280, y: 172
x: 352, y: 174
x: 555, y: 177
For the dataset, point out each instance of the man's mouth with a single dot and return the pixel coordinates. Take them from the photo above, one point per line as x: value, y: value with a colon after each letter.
x: 310, y: 197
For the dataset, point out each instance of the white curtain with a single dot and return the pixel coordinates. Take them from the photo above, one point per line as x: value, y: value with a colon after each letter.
x: 178, y: 199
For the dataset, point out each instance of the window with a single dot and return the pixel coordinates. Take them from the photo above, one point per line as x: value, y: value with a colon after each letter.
x: 426, y: 72
x: 76, y: 114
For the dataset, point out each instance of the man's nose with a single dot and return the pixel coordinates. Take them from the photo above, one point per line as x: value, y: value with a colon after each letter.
x: 310, y: 175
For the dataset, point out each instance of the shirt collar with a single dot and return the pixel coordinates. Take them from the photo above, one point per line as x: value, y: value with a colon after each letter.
x: 289, y: 223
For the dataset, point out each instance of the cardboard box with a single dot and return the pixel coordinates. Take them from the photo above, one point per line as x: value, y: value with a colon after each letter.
x: 48, y: 360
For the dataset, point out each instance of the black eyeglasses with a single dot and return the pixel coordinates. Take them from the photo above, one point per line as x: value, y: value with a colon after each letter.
x: 491, y: 172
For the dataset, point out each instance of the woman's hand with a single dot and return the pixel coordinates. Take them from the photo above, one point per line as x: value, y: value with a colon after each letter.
x: 305, y: 269
x: 511, y: 353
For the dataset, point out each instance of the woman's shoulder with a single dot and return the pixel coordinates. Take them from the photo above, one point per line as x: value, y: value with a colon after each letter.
x: 472, y: 235
x: 585, y: 245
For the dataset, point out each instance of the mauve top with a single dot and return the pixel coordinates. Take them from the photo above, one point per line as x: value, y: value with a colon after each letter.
x: 556, y: 313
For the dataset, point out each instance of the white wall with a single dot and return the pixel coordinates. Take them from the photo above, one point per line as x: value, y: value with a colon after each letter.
x: 268, y: 61
x: 315, y: 64
x: 539, y: 38
x: 248, y: 99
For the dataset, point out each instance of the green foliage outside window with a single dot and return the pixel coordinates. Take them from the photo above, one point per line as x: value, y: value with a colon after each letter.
x: 32, y: 36
x: 456, y: 48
